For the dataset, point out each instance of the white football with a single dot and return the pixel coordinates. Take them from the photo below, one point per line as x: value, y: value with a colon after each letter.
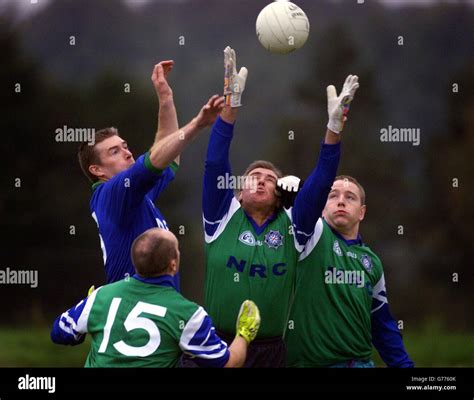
x: 282, y: 27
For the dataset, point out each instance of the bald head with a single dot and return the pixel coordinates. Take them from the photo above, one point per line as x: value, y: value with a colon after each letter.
x: 155, y: 252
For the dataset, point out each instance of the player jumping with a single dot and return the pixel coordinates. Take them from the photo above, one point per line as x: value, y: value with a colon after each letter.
x: 251, y: 251
x: 340, y: 307
x: 124, y: 189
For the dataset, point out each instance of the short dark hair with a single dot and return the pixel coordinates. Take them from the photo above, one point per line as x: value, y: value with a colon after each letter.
x: 152, y: 253
x: 263, y: 164
x: 87, y: 155
x: 355, y: 182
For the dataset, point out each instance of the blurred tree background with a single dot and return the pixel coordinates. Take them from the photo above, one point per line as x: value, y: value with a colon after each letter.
x: 426, y: 83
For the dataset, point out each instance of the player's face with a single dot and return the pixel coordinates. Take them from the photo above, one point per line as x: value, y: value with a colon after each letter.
x: 114, y: 156
x: 343, y: 210
x: 260, y: 188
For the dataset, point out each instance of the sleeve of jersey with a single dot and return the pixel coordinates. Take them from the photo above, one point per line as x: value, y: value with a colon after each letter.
x: 199, y: 340
x: 216, y: 197
x: 126, y: 190
x: 70, y: 327
x: 386, y: 337
x: 311, y: 199
x: 166, y: 178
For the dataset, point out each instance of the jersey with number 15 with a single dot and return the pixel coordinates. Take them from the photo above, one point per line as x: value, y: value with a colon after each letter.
x: 140, y: 322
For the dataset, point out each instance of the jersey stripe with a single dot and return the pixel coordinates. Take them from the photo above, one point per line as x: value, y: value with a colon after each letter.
x: 199, y: 338
x: 313, y: 241
x: 211, y: 233
x: 289, y: 214
x: 379, y: 295
x: 84, y: 317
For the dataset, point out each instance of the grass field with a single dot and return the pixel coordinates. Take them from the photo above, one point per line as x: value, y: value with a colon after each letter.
x: 434, y: 346
x: 430, y: 346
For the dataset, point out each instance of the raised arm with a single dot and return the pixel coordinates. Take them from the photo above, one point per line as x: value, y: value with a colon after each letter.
x: 168, y: 148
x: 311, y: 199
x: 167, y: 116
x: 217, y: 197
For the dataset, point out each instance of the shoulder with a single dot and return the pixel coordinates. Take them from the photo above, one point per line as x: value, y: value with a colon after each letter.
x: 184, y: 307
x: 112, y: 289
x: 371, y: 261
x: 370, y: 253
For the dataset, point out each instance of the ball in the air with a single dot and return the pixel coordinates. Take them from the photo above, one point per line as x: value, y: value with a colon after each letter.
x: 282, y: 27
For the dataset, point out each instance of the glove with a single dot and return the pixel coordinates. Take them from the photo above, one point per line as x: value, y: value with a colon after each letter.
x: 234, y: 84
x: 287, y: 189
x: 338, y: 106
x: 248, y: 321
x: 91, y: 290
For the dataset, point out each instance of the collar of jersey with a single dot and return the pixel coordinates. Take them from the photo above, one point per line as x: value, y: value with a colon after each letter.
x: 162, y: 280
x: 351, y: 242
x: 95, y: 185
x: 259, y: 229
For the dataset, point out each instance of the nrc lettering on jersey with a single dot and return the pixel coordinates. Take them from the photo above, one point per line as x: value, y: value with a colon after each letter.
x: 261, y: 270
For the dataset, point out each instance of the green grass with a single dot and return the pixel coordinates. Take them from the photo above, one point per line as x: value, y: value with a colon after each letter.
x: 33, y: 348
x: 430, y: 346
x: 435, y: 346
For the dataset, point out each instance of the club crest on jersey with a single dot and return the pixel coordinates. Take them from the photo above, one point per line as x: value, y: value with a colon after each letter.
x: 336, y: 248
x: 247, y: 238
x: 274, y: 239
x: 366, y: 262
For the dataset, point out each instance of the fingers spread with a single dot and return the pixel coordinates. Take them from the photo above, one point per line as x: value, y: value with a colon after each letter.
x: 220, y: 99
x: 211, y: 100
x: 218, y: 102
x: 348, y: 80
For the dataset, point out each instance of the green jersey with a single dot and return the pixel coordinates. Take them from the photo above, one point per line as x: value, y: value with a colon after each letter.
x: 140, y: 322
x: 330, y: 319
x: 245, y: 262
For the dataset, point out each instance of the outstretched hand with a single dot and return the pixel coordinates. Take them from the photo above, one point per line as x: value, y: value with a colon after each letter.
x: 338, y: 106
x: 208, y: 114
x: 248, y: 321
x: 234, y: 83
x: 159, y: 78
